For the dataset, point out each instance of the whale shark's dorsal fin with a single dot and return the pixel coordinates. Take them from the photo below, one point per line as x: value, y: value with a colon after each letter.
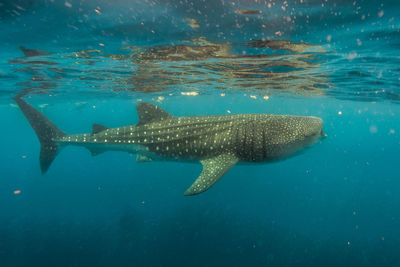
x: 98, y: 128
x: 213, y: 169
x: 151, y: 113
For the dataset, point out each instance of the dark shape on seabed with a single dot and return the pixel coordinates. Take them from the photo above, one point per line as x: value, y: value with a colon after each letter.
x: 218, y: 142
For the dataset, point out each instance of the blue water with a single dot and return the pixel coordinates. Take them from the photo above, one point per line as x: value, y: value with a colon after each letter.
x: 336, y: 204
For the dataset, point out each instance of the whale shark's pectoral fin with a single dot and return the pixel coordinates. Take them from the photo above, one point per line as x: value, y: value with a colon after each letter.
x: 213, y: 169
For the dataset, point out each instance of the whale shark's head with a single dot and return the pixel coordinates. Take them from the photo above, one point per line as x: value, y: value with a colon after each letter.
x: 309, y: 128
x: 286, y: 135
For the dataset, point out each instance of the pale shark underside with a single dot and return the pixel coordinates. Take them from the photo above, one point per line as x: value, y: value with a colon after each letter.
x: 218, y: 142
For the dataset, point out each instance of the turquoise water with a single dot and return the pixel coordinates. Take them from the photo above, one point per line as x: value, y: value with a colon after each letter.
x: 336, y: 204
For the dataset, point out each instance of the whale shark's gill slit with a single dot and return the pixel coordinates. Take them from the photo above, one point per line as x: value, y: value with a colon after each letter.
x: 264, y: 152
x: 245, y: 129
x: 237, y: 141
x: 252, y: 140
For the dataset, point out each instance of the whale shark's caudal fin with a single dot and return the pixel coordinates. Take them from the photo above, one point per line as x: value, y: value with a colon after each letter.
x: 45, y: 130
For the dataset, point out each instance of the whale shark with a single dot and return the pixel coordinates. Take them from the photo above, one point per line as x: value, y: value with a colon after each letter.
x: 217, y: 142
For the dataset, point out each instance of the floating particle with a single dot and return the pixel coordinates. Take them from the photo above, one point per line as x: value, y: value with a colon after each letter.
x: 348, y: 243
x: 253, y: 96
x: 373, y: 129
x: 97, y: 11
x: 189, y: 93
x: 352, y: 56
x: 160, y: 98
x: 228, y: 111
x: 43, y: 105
x: 247, y: 12
x: 380, y: 14
x: 101, y: 44
x: 17, y: 192
x: 340, y: 113
x: 192, y: 23
x: 68, y: 4
x: 278, y: 33
x: 266, y: 97
x: 391, y: 131
x: 222, y: 94
x: 23, y: 156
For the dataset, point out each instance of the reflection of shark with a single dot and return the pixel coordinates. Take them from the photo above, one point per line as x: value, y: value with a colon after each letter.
x: 33, y: 52
x: 218, y: 142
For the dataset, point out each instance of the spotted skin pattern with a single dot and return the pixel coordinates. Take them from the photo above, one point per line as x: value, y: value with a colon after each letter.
x: 218, y: 142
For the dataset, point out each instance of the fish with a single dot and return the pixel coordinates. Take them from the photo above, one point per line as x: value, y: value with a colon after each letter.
x: 218, y: 142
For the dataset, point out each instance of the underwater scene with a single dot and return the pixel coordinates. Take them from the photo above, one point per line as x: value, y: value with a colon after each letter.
x: 200, y: 133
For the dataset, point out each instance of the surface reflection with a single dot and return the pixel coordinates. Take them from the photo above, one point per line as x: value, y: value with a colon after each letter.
x: 263, y: 66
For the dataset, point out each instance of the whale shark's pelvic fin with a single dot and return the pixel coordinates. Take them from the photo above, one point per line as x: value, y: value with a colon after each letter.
x: 142, y: 158
x: 213, y: 169
x: 151, y: 113
x: 95, y: 151
x: 45, y: 130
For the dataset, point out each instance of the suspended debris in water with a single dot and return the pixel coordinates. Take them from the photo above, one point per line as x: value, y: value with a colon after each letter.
x: 248, y: 12
x: 192, y: 23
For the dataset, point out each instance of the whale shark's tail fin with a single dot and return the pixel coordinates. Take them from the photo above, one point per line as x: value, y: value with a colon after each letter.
x: 45, y: 130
